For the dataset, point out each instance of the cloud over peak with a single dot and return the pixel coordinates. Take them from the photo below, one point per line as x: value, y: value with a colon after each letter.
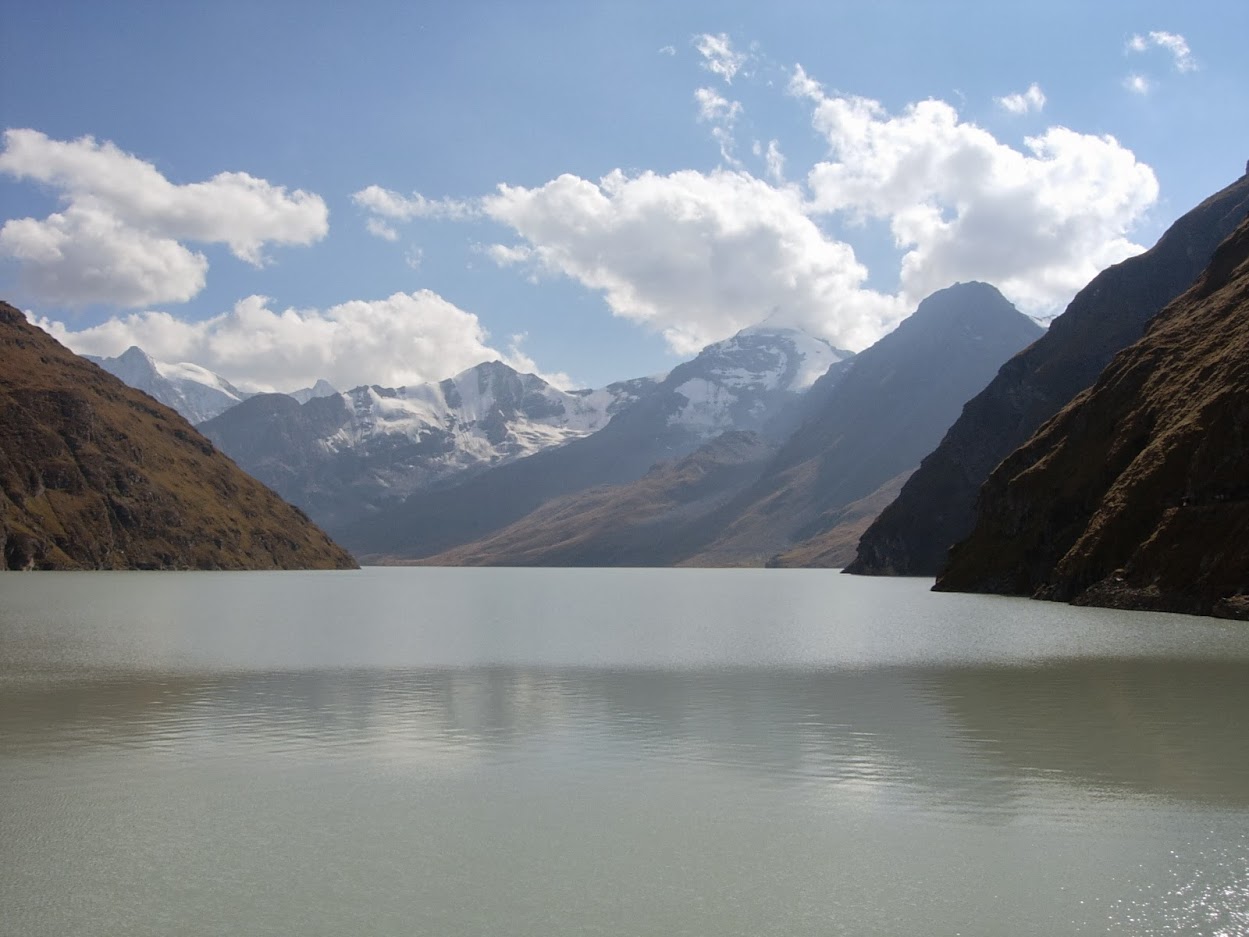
x: 119, y: 238
x: 407, y: 338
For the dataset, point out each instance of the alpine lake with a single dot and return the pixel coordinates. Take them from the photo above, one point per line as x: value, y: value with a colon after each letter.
x: 622, y: 752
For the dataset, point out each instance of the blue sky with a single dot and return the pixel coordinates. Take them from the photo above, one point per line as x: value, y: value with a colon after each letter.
x: 670, y: 172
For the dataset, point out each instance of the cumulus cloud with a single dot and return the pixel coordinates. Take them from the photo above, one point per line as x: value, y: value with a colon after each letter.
x: 1138, y: 84
x: 719, y: 56
x: 1174, y: 43
x: 1038, y: 224
x: 1021, y: 103
x: 119, y: 237
x: 696, y: 256
x: 408, y: 338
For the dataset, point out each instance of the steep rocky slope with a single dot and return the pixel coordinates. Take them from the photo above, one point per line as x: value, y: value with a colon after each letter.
x: 935, y: 508
x: 1136, y: 494
x: 97, y: 475
x: 755, y: 381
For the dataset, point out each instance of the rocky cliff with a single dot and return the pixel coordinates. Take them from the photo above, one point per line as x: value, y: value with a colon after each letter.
x: 97, y: 475
x: 1136, y: 495
x: 935, y: 508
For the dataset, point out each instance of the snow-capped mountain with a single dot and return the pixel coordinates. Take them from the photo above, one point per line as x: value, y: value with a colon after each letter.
x: 337, y: 455
x: 757, y: 381
x: 736, y: 383
x: 195, y: 392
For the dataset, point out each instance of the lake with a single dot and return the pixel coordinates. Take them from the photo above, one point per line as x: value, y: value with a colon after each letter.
x: 624, y: 752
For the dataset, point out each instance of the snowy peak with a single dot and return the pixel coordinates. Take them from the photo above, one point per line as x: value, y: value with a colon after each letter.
x: 744, y: 381
x: 195, y: 392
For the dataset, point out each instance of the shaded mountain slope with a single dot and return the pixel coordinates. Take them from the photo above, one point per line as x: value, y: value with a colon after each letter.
x: 754, y: 381
x: 635, y: 524
x: 890, y: 408
x: 1136, y: 494
x: 97, y: 475
x: 835, y: 547
x: 936, y: 506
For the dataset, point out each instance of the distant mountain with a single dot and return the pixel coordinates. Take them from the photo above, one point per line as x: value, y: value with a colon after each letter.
x: 321, y: 388
x: 755, y: 381
x: 891, y: 407
x: 97, y: 475
x: 1136, y: 495
x: 936, y: 506
x: 343, y: 456
x: 735, y: 501
x: 195, y: 392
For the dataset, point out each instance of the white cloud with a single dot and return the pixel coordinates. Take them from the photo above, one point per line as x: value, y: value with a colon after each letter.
x: 1021, y: 103
x: 408, y: 338
x: 119, y: 237
x: 695, y: 256
x: 718, y: 54
x: 962, y: 205
x: 722, y: 114
x: 773, y: 160
x: 1174, y: 43
x: 379, y: 228
x: 1138, y: 84
x: 398, y: 207
x: 668, y: 50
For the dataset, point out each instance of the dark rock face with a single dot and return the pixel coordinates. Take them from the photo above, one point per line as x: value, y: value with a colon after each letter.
x: 1136, y: 495
x: 97, y: 475
x: 888, y: 408
x: 936, y: 507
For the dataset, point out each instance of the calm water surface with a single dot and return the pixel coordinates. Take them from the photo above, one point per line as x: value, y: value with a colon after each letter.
x: 547, y: 752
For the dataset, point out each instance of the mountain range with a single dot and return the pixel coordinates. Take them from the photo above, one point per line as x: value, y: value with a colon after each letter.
x: 343, y: 456
x: 737, y: 501
x: 756, y: 381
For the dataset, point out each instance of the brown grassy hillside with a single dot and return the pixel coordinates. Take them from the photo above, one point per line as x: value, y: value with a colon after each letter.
x: 97, y: 475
